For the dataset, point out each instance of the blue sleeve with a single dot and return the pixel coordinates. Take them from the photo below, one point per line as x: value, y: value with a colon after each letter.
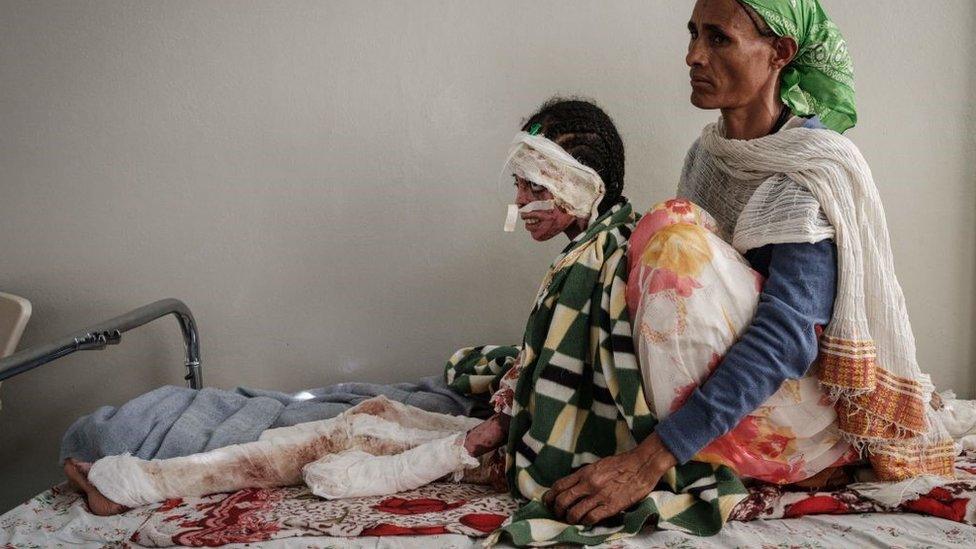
x: 780, y: 344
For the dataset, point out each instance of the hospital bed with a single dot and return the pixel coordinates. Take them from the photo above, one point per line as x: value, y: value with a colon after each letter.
x: 15, y: 311
x: 59, y: 518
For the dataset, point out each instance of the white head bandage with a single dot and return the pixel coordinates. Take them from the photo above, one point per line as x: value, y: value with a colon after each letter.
x: 575, y: 187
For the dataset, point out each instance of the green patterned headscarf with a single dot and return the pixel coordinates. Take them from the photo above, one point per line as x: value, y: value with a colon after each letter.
x: 820, y: 79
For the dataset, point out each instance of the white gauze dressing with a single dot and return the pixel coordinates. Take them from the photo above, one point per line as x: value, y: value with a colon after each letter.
x: 134, y: 482
x: 375, y: 427
x: 576, y: 188
x: 123, y: 480
x: 514, y: 210
x: 355, y: 473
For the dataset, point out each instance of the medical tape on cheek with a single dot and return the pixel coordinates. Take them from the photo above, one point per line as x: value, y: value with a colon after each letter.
x: 513, y: 210
x: 538, y: 206
x: 511, y: 218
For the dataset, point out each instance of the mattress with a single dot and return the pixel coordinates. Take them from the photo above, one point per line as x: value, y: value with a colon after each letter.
x: 58, y: 518
x: 460, y: 515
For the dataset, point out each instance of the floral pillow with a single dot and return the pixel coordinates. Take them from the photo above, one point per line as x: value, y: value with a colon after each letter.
x: 691, y: 296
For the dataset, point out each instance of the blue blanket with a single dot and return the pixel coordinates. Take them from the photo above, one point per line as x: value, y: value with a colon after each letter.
x: 177, y: 421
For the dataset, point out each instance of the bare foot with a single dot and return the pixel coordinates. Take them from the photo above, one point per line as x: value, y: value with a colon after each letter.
x: 98, y: 504
x: 73, y: 470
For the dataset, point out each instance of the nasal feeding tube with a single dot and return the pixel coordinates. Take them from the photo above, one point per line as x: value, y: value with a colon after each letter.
x: 513, y: 210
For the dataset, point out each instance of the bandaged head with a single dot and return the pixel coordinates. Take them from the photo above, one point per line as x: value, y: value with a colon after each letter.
x: 575, y: 187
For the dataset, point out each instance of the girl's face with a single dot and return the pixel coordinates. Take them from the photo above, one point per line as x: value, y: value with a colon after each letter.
x: 541, y: 224
x: 731, y: 63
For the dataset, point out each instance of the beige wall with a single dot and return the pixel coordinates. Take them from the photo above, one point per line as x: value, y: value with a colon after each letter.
x: 317, y: 179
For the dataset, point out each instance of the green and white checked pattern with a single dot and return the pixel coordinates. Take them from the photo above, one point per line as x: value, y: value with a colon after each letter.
x: 477, y: 370
x: 579, y: 398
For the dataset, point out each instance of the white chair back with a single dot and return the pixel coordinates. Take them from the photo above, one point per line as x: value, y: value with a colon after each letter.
x: 14, y: 313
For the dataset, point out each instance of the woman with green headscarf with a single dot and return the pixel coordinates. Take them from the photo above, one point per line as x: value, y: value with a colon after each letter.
x: 786, y: 190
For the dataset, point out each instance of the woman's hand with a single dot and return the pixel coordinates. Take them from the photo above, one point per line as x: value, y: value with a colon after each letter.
x: 488, y: 435
x: 610, y: 485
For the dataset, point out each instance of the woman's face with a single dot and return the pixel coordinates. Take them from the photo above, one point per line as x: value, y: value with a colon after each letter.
x: 731, y: 63
x: 541, y: 224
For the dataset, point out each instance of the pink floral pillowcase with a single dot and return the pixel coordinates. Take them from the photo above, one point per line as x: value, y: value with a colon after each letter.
x: 691, y: 296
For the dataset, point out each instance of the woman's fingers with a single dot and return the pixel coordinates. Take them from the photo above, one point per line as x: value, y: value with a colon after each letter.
x: 581, y: 509
x: 567, y: 499
x: 606, y: 487
x: 597, y: 514
x: 558, y: 487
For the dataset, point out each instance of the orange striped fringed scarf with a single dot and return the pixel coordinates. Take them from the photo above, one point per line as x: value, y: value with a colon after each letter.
x: 882, y: 411
x: 867, y: 351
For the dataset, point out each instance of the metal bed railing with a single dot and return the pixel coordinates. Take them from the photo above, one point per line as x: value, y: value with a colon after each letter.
x: 110, y: 333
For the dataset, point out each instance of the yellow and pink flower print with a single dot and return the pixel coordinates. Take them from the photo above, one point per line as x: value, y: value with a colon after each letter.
x: 691, y: 296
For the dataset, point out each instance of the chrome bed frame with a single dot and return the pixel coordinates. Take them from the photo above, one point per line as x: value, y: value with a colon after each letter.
x: 110, y: 333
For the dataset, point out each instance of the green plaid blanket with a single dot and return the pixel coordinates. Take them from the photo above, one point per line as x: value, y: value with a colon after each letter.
x: 579, y: 398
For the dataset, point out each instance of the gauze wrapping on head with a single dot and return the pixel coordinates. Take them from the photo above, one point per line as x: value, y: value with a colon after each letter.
x: 576, y: 188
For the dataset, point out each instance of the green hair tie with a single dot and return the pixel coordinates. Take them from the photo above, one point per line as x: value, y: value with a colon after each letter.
x: 534, y: 130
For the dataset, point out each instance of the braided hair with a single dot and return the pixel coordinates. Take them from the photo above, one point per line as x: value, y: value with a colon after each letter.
x: 586, y: 132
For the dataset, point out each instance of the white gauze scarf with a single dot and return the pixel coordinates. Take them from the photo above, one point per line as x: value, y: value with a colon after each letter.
x: 867, y: 359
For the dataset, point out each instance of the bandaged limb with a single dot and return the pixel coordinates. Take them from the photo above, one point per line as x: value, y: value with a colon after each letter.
x: 134, y: 482
x: 355, y: 473
x: 390, y: 410
x: 275, y: 460
x: 411, y: 416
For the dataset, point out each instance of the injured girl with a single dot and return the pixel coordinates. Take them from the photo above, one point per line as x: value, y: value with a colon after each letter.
x: 568, y: 167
